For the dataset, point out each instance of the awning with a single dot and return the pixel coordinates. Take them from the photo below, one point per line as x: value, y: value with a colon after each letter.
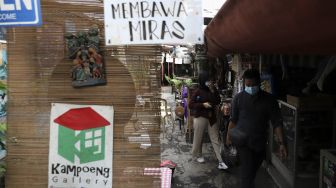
x: 268, y: 26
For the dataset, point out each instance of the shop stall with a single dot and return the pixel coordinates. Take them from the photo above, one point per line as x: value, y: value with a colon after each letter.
x: 284, y: 41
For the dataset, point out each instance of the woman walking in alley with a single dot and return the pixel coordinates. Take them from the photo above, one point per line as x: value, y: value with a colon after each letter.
x: 203, y: 105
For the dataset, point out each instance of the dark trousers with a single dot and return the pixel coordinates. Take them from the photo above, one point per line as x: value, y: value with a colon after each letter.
x: 250, y: 161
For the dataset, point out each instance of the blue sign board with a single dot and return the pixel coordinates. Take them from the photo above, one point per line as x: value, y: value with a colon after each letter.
x: 20, y: 13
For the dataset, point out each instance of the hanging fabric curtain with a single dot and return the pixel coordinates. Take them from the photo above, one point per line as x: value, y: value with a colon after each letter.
x: 263, y: 26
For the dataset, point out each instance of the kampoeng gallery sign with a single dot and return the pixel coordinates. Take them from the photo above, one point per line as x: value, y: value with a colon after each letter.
x: 20, y: 13
x: 153, y: 22
x: 81, y: 146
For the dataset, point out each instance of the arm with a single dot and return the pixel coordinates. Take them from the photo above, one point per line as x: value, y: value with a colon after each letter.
x: 282, y: 147
x: 195, y: 103
x: 228, y: 138
x: 214, y: 95
x: 233, y: 119
x: 279, y: 135
x: 217, y: 98
x: 276, y: 120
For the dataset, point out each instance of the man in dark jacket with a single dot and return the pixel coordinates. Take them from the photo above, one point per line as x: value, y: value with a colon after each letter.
x: 252, y: 109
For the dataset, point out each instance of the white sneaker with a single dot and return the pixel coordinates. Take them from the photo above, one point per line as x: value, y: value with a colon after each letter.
x: 222, y: 166
x: 200, y: 159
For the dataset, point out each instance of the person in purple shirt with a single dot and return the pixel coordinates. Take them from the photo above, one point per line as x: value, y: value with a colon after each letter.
x: 185, y: 101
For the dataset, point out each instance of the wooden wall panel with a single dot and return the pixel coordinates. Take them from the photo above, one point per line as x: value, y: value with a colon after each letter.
x: 39, y: 74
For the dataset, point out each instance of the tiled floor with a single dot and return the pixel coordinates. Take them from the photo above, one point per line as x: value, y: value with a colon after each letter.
x: 190, y: 174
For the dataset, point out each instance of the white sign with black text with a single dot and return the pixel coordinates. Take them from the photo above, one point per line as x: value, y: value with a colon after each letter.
x: 153, y: 22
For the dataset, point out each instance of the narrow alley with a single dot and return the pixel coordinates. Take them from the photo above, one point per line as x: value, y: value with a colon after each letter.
x: 191, y: 174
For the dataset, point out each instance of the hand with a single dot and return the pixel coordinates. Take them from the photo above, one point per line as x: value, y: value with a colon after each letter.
x: 283, y: 151
x: 207, y: 105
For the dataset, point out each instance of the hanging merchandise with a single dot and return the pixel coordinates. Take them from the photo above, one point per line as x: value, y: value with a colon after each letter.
x: 201, y: 59
x: 201, y: 56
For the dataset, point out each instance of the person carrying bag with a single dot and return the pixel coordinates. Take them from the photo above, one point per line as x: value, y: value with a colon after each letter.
x: 252, y: 109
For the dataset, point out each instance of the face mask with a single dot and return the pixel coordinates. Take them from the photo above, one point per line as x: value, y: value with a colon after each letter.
x: 252, y: 90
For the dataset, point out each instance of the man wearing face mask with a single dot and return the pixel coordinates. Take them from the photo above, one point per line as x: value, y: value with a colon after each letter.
x: 203, y: 104
x: 251, y: 111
